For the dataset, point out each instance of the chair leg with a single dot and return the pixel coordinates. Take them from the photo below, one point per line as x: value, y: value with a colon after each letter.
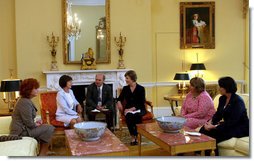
x: 120, y: 125
x: 51, y: 144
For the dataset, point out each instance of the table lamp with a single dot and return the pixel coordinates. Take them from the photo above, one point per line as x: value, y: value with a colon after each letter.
x: 198, y: 67
x: 10, y: 89
x: 182, y: 77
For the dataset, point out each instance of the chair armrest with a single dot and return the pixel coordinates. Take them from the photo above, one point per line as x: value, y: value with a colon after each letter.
x: 150, y: 104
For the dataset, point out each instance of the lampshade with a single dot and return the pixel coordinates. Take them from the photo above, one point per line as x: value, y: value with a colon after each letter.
x: 10, y: 85
x: 181, y: 76
x: 198, y: 66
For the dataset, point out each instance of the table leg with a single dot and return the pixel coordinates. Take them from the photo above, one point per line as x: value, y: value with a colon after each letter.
x: 139, y: 144
x: 172, y: 108
x: 212, y: 152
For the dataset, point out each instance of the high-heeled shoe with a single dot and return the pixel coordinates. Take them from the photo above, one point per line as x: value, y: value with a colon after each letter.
x: 134, y: 143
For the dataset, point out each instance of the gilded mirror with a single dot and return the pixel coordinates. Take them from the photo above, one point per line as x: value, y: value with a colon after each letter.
x: 94, y: 30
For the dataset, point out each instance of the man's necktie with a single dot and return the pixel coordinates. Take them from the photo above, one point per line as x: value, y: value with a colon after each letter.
x: 99, y: 96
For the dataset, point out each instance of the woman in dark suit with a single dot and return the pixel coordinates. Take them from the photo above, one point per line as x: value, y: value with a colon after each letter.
x: 230, y: 119
x: 24, y: 114
x: 133, y: 96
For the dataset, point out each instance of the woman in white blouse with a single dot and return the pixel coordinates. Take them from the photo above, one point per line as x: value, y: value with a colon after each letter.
x: 68, y: 108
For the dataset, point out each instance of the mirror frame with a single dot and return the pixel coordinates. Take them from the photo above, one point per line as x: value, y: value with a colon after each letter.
x: 64, y: 35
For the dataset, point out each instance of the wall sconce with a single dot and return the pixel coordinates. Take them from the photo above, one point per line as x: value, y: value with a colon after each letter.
x: 198, y: 67
x: 10, y: 89
x: 182, y: 77
x: 53, y: 41
x: 120, y: 43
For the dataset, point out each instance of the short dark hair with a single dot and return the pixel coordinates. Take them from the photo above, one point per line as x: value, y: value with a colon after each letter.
x: 228, y: 84
x: 132, y: 74
x: 27, y: 86
x: 198, y: 84
x: 63, y: 80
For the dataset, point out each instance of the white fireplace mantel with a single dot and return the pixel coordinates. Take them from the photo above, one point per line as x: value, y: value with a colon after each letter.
x: 86, y: 77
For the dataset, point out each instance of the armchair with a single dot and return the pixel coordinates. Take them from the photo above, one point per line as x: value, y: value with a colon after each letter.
x: 147, y: 118
x: 48, y: 112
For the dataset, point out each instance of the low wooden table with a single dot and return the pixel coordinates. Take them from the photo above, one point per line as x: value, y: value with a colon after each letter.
x: 175, y: 143
x: 107, y: 145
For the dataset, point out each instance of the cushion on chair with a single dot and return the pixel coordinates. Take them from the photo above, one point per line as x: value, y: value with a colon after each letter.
x: 27, y: 146
x: 5, y: 123
x: 242, y: 145
x: 56, y: 123
x: 229, y: 152
x: 147, y: 116
x: 229, y: 144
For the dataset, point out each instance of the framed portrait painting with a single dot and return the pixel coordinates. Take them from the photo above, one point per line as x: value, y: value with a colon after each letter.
x: 197, y: 25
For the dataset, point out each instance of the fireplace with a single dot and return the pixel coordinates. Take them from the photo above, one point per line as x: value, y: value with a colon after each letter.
x: 86, y: 77
x: 80, y: 92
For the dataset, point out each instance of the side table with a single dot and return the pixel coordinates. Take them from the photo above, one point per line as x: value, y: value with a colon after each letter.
x: 174, y: 98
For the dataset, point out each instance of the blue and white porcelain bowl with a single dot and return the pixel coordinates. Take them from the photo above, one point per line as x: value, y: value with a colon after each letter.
x: 171, y: 124
x: 90, y: 130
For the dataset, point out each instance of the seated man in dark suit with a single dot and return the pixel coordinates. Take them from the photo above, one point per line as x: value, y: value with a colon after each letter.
x: 99, y: 97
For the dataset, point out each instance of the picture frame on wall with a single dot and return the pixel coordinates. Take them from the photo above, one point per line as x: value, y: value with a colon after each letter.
x: 197, y: 25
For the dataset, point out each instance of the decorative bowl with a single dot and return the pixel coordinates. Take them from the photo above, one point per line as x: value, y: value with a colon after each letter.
x: 171, y: 124
x: 90, y: 130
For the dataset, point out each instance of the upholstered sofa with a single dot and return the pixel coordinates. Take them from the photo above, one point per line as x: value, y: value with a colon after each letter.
x: 27, y: 146
x: 235, y: 146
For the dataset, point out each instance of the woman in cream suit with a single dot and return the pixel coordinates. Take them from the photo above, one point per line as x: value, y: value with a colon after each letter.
x: 68, y: 109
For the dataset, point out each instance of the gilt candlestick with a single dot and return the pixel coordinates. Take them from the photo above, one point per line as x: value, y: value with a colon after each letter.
x: 120, y: 43
x: 53, y: 41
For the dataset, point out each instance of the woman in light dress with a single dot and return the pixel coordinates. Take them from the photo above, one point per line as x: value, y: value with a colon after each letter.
x: 69, y: 110
x: 198, y: 106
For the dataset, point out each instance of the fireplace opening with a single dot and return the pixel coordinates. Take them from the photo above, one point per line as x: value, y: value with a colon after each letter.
x: 80, y: 92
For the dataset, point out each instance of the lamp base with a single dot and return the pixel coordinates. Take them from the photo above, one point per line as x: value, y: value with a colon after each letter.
x: 183, y: 92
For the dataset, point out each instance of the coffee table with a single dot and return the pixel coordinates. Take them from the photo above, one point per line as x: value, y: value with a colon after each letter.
x: 107, y: 145
x: 175, y: 143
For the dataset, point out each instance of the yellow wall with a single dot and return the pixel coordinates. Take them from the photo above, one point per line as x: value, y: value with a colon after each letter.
x: 225, y: 60
x: 32, y: 28
x: 152, y: 47
x: 7, y: 38
x: 229, y: 41
x: 7, y: 41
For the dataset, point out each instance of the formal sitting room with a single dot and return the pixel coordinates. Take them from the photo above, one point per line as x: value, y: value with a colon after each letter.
x: 125, y: 78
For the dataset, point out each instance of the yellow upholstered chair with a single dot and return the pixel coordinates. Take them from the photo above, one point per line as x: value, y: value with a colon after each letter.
x: 27, y: 146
